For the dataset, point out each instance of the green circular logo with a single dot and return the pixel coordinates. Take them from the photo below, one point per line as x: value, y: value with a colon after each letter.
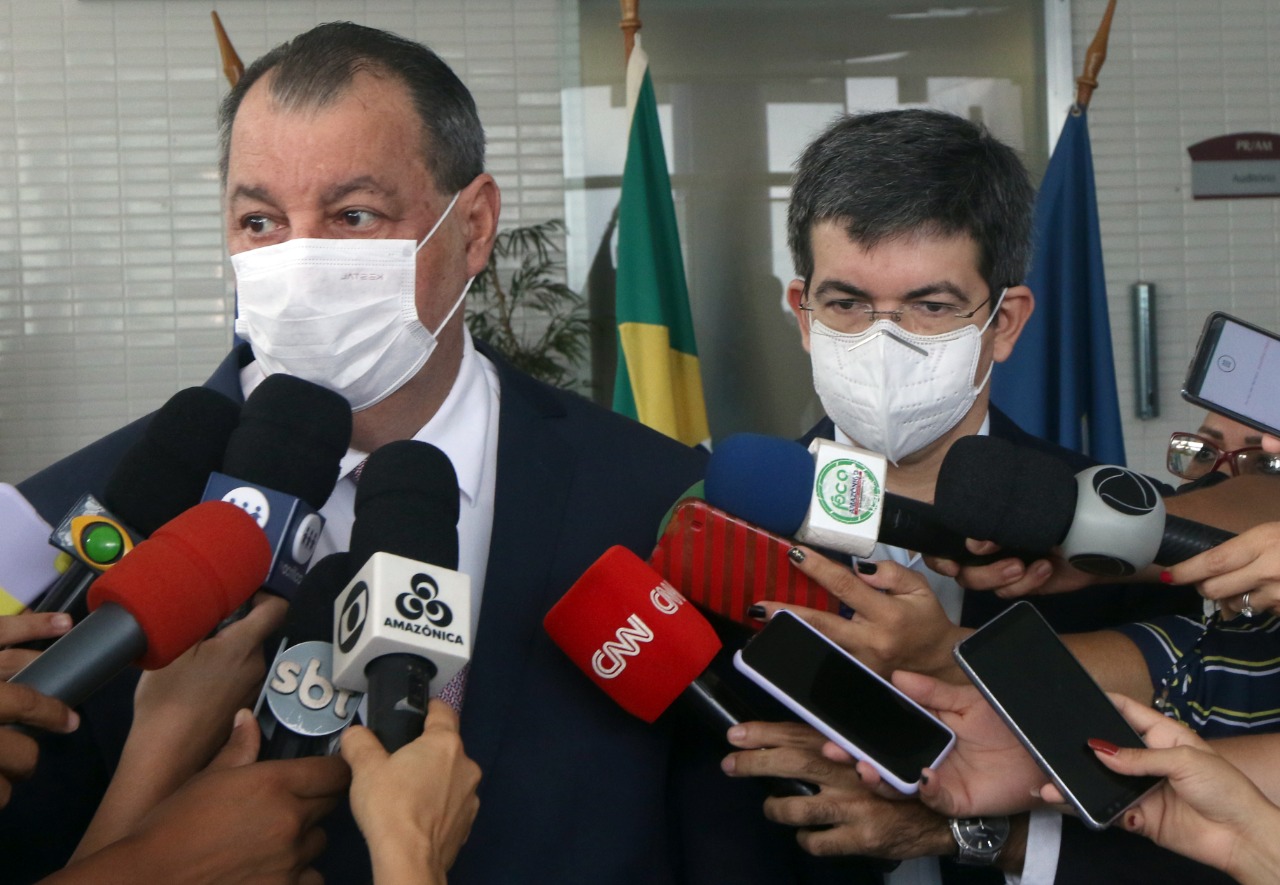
x: 848, y: 491
x: 103, y: 543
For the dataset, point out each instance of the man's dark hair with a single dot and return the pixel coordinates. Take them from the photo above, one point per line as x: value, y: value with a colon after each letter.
x: 314, y: 69
x: 894, y: 174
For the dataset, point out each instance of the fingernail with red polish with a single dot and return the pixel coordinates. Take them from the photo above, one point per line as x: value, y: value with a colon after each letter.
x: 1102, y: 746
x: 1166, y: 577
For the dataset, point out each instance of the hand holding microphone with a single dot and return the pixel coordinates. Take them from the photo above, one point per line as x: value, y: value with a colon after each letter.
x: 18, y: 752
x: 23, y: 628
x: 413, y: 832
x: 182, y: 714
x: 402, y: 627
x: 237, y: 821
x: 1107, y: 522
x: 154, y: 605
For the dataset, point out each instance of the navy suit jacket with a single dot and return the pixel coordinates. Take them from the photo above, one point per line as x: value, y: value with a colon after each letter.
x: 574, y: 790
x: 1085, y: 856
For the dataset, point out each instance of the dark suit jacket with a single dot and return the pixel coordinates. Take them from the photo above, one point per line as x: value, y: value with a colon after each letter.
x: 574, y: 790
x: 1085, y: 856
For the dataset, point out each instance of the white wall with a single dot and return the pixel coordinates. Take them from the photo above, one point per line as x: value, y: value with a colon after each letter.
x: 1178, y: 72
x: 114, y: 290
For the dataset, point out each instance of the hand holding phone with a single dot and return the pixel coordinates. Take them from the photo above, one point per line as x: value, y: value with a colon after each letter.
x: 845, y: 700
x: 1054, y: 707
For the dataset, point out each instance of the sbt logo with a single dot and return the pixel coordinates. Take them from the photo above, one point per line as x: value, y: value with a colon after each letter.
x: 301, y: 692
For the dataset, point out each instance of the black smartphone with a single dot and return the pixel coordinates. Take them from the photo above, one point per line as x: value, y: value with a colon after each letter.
x: 845, y: 700
x: 1053, y: 705
x: 1236, y: 372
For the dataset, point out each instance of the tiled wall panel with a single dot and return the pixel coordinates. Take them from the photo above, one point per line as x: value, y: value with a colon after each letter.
x: 1178, y: 72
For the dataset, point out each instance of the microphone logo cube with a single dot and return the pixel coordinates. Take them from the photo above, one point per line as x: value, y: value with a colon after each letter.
x: 92, y: 535
x: 291, y: 525
x: 849, y: 492
x: 395, y: 605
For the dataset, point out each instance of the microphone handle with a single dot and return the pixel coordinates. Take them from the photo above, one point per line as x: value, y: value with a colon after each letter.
x: 80, y: 662
x: 914, y: 525
x: 1184, y: 538
x: 720, y: 709
x: 399, y: 685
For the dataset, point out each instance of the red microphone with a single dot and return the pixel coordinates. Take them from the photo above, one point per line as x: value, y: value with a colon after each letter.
x: 155, y: 603
x: 632, y: 633
x: 646, y: 647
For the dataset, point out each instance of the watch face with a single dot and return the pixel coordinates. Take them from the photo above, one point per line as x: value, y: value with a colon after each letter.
x: 981, y: 839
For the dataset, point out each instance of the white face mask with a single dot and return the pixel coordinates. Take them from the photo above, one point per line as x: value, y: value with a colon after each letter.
x: 893, y: 391
x: 339, y: 313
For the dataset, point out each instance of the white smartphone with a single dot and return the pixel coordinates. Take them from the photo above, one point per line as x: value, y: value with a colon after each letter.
x: 1052, y: 704
x: 845, y: 700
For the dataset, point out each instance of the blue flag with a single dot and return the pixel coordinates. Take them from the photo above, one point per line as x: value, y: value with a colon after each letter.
x: 1060, y: 383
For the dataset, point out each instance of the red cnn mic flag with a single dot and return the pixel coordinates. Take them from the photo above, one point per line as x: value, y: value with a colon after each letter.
x: 632, y: 633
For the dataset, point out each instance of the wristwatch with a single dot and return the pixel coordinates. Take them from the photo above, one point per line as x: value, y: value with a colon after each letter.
x: 980, y: 839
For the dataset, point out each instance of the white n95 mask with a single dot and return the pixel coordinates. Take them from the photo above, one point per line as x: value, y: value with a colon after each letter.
x: 340, y: 313
x: 893, y: 391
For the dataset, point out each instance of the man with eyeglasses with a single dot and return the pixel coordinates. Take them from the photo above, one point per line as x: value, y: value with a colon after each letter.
x: 911, y: 236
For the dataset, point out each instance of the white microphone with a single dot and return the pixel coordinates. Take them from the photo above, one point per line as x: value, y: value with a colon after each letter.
x: 402, y: 626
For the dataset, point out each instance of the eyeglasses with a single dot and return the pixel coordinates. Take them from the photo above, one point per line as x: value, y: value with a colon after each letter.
x: 933, y: 317
x: 1192, y: 456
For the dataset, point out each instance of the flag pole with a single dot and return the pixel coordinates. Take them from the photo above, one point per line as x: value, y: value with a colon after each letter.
x: 630, y: 24
x: 232, y: 67
x: 1093, y: 61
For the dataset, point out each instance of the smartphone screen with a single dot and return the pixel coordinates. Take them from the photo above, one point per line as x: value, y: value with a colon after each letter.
x: 1054, y: 707
x: 839, y: 696
x: 1236, y: 371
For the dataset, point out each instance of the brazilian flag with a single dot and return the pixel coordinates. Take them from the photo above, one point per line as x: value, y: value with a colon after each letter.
x: 659, y: 382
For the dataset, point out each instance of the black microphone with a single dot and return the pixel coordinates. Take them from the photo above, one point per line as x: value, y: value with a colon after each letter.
x: 835, y: 500
x: 404, y: 621
x: 158, y: 477
x: 281, y: 465
x: 300, y: 711
x: 1105, y: 520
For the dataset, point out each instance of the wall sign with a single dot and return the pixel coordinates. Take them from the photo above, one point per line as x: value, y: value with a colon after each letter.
x: 1246, y: 164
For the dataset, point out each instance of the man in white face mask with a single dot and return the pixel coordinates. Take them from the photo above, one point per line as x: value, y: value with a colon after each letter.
x: 357, y: 212
x: 910, y: 232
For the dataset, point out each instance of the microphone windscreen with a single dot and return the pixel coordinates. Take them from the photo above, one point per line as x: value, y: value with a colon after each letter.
x: 165, y: 471
x: 190, y: 574
x: 310, y: 614
x: 632, y: 633
x: 763, y: 479
x: 993, y: 490
x: 407, y: 504
x: 291, y: 437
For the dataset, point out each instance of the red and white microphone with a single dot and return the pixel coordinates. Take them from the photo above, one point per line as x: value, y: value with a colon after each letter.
x: 647, y: 647
x: 155, y: 603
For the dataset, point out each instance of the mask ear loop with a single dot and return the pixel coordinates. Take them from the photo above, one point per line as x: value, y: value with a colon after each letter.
x: 439, y: 221
x: 995, y: 311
